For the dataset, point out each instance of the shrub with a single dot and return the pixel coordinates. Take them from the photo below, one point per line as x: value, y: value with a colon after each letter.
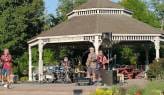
x: 24, y: 79
x: 109, y: 91
x: 156, y: 69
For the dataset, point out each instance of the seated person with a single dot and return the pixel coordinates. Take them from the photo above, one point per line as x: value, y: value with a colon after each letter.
x: 65, y: 63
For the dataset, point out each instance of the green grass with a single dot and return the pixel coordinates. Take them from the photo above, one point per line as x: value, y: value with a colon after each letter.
x: 154, y: 88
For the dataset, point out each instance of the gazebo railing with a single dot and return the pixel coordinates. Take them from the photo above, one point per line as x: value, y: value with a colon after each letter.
x: 99, y: 11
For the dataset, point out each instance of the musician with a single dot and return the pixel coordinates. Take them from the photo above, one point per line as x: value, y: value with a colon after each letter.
x: 65, y: 63
x: 102, y: 60
x: 91, y: 64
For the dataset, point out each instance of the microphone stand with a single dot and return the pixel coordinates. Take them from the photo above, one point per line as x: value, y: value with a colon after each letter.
x: 108, y: 59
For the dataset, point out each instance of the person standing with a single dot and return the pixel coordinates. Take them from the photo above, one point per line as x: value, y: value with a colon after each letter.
x: 102, y: 60
x: 91, y: 65
x: 101, y: 64
x: 7, y: 67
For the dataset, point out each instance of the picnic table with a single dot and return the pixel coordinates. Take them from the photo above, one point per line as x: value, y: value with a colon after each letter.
x: 128, y: 72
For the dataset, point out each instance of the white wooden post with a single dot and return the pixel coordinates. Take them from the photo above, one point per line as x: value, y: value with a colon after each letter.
x: 40, y: 67
x: 96, y: 44
x: 30, y: 63
x: 157, y: 48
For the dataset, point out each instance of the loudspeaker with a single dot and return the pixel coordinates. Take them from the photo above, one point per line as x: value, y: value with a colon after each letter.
x: 109, y: 77
x: 107, y: 36
x: 81, y: 81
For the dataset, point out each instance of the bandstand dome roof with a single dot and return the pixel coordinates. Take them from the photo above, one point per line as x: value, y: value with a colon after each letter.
x: 99, y: 23
x: 99, y: 4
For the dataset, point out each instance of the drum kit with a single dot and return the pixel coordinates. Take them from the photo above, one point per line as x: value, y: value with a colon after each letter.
x: 58, y: 74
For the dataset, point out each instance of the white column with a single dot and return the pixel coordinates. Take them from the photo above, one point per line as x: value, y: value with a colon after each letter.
x: 96, y: 44
x: 40, y: 67
x: 157, y: 48
x: 30, y: 64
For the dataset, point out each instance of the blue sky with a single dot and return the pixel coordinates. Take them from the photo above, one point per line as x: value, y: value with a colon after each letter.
x: 51, y: 6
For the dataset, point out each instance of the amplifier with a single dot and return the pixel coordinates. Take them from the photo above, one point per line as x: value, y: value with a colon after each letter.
x: 83, y: 81
x: 107, y: 36
x: 109, y: 77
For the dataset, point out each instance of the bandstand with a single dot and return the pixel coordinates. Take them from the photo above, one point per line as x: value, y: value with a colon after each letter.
x: 87, y: 23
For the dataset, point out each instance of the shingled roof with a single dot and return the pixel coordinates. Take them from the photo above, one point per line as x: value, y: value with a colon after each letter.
x: 91, y: 24
x: 99, y: 4
x: 117, y: 24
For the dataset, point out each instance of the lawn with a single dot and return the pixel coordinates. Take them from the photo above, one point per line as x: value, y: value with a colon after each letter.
x: 152, y: 88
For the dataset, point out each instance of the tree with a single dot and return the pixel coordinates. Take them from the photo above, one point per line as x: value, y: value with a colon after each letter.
x: 50, y: 21
x: 128, y: 56
x: 66, y: 6
x: 19, y: 21
x: 22, y: 62
x: 158, y: 6
x: 64, y: 52
x: 48, y: 57
x: 141, y: 12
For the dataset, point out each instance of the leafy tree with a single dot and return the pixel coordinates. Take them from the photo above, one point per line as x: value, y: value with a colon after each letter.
x: 19, y: 21
x: 64, y: 52
x: 48, y: 58
x: 141, y: 12
x: 50, y: 21
x: 158, y: 6
x: 22, y: 62
x: 128, y: 56
x: 66, y: 6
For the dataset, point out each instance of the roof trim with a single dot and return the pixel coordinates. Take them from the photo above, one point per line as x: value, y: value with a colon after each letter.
x: 49, y: 37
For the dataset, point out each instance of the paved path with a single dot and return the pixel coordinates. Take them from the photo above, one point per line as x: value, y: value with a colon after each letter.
x: 57, y: 89
x: 141, y: 83
x: 45, y: 89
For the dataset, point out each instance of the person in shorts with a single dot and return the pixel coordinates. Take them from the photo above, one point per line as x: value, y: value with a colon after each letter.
x: 91, y: 64
x: 101, y: 64
x: 7, y: 67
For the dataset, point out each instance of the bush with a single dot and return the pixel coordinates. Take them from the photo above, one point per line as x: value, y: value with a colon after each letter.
x: 24, y: 79
x: 109, y: 91
x: 153, y: 88
x: 156, y: 70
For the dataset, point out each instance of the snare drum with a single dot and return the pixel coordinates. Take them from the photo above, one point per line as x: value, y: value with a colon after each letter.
x: 61, y: 69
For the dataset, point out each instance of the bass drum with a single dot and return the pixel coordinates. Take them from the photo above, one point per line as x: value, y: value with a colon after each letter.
x: 49, y: 78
